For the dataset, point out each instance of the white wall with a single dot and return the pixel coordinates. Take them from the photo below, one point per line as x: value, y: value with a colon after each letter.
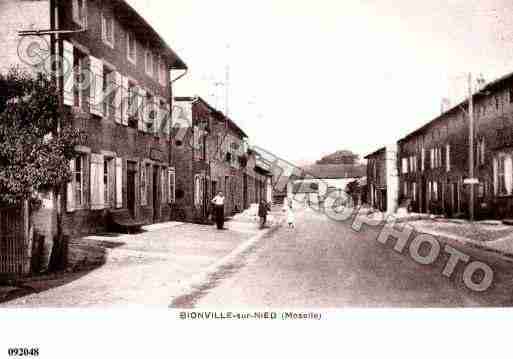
x: 392, y: 179
x: 16, y: 15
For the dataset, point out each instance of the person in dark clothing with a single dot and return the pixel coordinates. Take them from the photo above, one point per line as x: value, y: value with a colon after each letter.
x: 263, y: 209
x: 218, y: 203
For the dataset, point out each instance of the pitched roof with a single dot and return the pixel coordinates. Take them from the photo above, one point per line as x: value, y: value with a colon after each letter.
x: 491, y: 86
x: 335, y: 171
x: 140, y: 25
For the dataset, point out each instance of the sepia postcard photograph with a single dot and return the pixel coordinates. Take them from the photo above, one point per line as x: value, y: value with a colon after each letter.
x: 168, y: 166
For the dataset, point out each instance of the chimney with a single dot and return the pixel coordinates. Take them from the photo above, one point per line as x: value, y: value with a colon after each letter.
x: 445, y: 105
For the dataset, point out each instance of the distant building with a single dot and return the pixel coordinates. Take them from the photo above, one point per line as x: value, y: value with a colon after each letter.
x: 382, y: 179
x: 318, y: 181
x: 211, y: 153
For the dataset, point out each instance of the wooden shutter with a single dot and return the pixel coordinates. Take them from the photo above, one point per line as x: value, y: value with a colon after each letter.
x: 97, y: 95
x: 119, y: 183
x: 141, y: 100
x: 97, y: 184
x: 70, y: 194
x: 163, y: 182
x: 508, y: 173
x: 69, y: 73
x: 125, y: 111
x: 118, y: 82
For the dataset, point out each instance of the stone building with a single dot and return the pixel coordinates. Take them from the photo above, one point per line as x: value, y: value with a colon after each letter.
x: 434, y: 160
x: 210, y: 152
x: 382, y: 179
x: 117, y: 90
x: 376, y: 180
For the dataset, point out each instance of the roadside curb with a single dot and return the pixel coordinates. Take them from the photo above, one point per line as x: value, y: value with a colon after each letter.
x: 469, y: 243
x: 196, y: 284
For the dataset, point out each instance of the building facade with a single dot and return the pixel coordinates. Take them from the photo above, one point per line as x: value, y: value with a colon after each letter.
x: 116, y: 89
x: 382, y: 179
x: 211, y: 154
x: 376, y: 180
x: 434, y: 160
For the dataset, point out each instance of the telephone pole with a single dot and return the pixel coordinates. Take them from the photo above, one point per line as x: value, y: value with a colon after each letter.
x: 471, y: 146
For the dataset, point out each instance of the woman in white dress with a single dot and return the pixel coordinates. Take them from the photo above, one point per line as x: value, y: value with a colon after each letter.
x: 290, y: 216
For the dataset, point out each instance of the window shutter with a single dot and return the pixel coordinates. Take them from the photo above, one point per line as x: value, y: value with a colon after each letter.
x: 158, y: 114
x: 163, y: 182
x: 119, y: 183
x: 76, y: 12
x: 141, y: 100
x: 97, y: 185
x: 508, y: 173
x: 124, y: 96
x: 117, y: 97
x: 70, y: 194
x: 69, y: 73
x: 495, y: 176
x: 448, y: 157
x: 97, y: 95
x: 171, y: 186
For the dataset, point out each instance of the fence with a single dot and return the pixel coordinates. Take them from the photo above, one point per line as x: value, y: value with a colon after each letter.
x: 13, y: 246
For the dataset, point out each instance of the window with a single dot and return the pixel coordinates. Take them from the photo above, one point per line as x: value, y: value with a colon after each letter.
x: 131, y: 47
x: 150, y: 114
x: 78, y: 180
x: 511, y: 95
x: 414, y: 191
x: 497, y: 102
x: 501, y: 176
x: 480, y: 153
x: 423, y: 159
x: 108, y: 181
x: 132, y: 105
x: 108, y: 84
x: 482, y: 189
x: 162, y: 70
x: 405, y: 189
x: 172, y: 185
x: 108, y: 29
x: 80, y: 12
x: 149, y: 61
x: 405, y: 165
x: 80, y: 88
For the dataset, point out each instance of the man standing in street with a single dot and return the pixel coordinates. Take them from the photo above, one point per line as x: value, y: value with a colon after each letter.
x: 263, y: 208
x: 218, y: 202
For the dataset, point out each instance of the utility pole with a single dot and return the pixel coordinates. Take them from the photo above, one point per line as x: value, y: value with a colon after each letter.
x: 471, y: 146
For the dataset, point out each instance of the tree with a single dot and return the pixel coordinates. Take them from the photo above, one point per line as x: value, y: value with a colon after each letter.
x: 342, y: 157
x: 36, y: 143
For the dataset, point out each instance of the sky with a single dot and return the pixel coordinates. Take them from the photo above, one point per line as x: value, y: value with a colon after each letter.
x: 307, y: 78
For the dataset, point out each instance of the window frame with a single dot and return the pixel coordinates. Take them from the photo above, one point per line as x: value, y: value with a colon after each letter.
x: 130, y: 36
x: 104, y: 22
x: 79, y: 13
x: 148, y: 54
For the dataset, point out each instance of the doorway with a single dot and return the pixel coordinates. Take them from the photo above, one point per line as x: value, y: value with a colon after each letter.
x: 130, y: 187
x: 245, y: 191
x: 156, y: 202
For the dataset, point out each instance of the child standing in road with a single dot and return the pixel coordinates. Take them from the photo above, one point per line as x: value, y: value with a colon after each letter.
x: 290, y: 217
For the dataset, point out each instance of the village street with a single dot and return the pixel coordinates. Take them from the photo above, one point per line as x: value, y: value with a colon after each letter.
x: 320, y: 263
x: 325, y: 264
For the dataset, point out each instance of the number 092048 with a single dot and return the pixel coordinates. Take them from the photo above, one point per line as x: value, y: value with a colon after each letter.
x: 23, y: 352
